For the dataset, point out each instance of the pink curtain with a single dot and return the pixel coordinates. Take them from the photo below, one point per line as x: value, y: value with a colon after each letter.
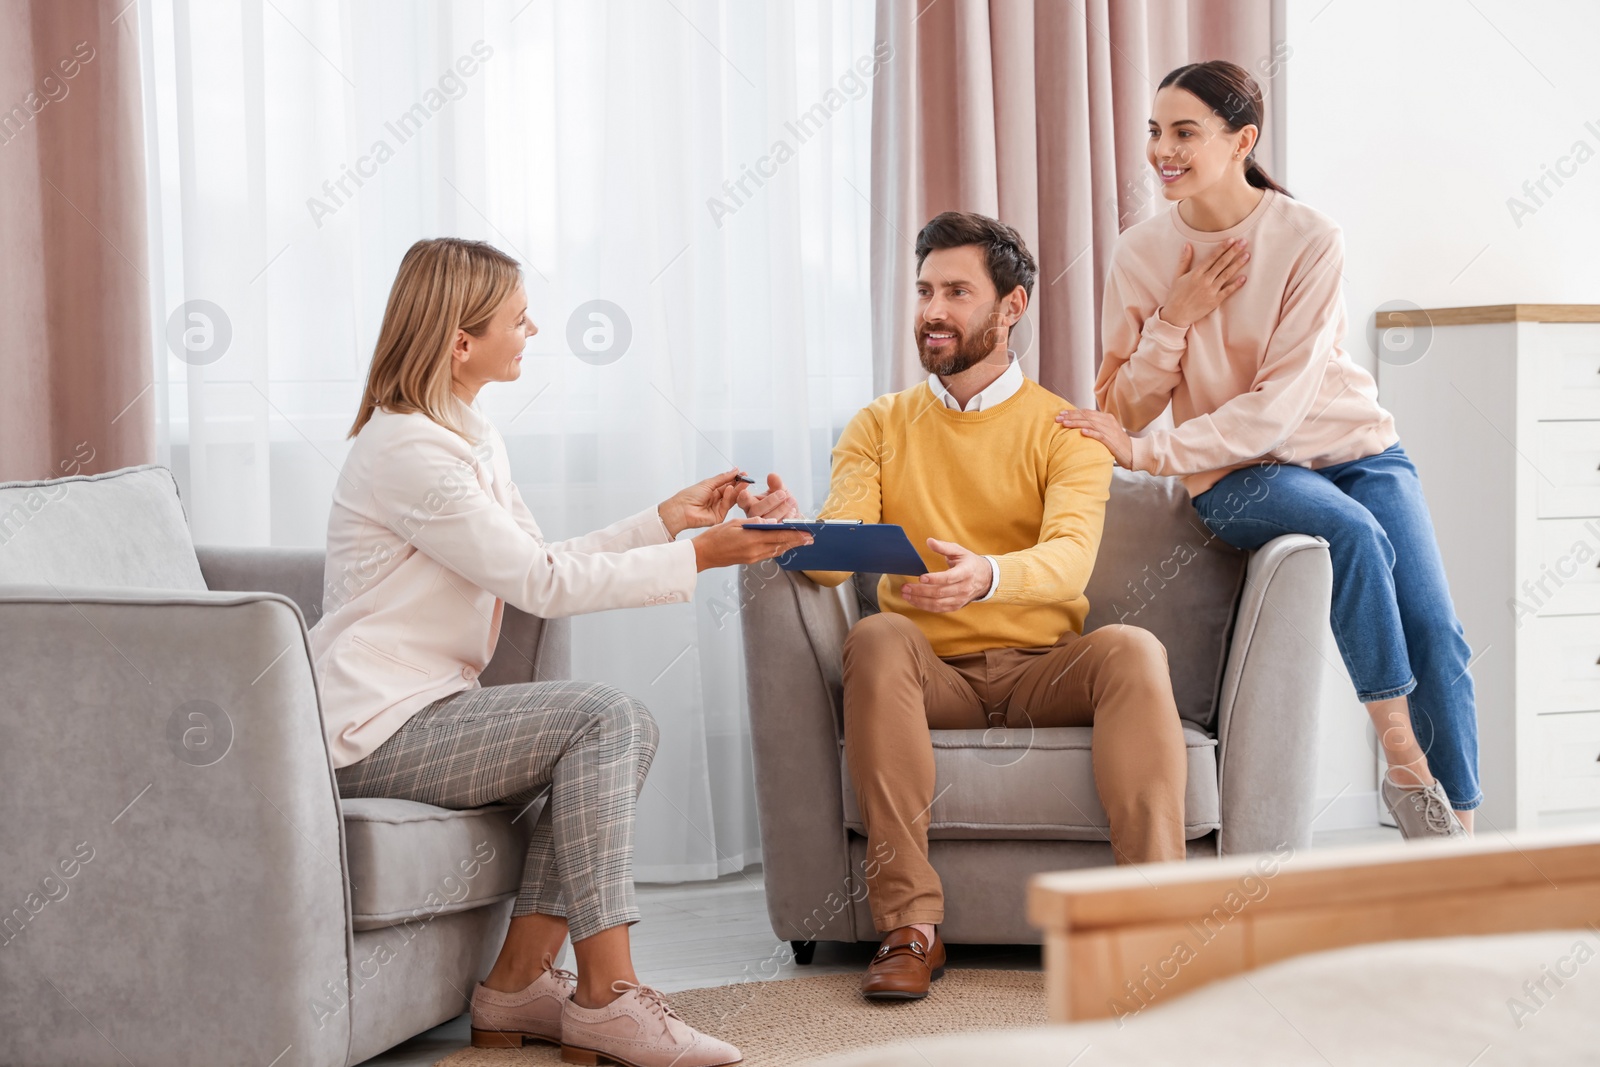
x: 75, y: 333
x: 1032, y: 111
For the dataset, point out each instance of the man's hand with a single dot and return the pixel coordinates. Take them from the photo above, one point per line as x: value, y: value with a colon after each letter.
x: 968, y: 578
x: 702, y: 504
x: 1102, y: 427
x: 775, y: 505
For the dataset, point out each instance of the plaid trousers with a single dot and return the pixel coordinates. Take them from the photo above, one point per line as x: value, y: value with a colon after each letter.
x: 590, y: 745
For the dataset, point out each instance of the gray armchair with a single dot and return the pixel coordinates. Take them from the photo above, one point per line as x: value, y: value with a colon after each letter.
x: 181, y: 881
x: 1240, y: 631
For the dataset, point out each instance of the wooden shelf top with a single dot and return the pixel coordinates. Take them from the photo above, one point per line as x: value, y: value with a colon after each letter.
x: 1472, y: 316
x: 1099, y: 897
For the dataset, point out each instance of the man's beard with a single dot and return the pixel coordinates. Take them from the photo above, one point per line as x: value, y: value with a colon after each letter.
x: 967, y: 350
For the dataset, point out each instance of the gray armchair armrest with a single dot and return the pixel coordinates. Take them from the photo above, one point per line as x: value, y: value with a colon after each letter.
x: 295, y: 573
x: 794, y: 633
x: 531, y: 649
x: 1267, y: 716
x: 171, y: 824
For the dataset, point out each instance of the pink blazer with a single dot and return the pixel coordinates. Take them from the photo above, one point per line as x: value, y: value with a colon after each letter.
x: 428, y: 537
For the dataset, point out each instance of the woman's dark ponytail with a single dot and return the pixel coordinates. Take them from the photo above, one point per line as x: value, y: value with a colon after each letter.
x: 1229, y: 90
x: 1258, y: 177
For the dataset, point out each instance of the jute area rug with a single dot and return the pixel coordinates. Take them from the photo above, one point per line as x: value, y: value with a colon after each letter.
x: 798, y: 1020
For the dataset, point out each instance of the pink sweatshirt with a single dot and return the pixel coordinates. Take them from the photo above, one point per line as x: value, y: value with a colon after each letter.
x: 1261, y: 378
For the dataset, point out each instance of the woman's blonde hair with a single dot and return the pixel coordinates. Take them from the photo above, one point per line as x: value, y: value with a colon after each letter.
x: 445, y: 284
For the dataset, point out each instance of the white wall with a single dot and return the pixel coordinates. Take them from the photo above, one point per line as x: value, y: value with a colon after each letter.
x: 1412, y: 124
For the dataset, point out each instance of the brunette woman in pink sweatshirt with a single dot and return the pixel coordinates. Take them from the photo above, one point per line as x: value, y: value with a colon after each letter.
x: 1227, y: 306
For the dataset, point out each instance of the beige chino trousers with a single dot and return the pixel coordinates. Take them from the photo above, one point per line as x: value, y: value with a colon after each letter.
x: 896, y: 690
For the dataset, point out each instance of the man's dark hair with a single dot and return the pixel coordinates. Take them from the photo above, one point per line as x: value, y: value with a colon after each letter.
x: 1010, y: 262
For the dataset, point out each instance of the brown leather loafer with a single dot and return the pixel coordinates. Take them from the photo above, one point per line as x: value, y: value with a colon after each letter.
x: 903, y: 967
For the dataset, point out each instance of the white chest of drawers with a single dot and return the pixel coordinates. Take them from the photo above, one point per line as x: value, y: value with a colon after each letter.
x: 1501, y: 413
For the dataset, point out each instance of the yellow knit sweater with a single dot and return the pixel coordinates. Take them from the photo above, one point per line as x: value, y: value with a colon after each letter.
x: 1005, y: 481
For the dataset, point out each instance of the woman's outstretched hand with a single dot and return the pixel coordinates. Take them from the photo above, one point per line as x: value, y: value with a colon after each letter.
x: 1199, y: 290
x: 703, y: 503
x: 729, y: 544
x: 1102, y: 427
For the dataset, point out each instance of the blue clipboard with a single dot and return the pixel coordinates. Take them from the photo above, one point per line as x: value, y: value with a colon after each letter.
x: 858, y: 547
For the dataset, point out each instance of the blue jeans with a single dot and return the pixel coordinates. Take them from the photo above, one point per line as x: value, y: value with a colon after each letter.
x: 1392, y: 615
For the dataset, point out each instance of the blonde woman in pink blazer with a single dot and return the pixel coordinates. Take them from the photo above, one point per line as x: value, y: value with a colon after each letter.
x: 427, y: 540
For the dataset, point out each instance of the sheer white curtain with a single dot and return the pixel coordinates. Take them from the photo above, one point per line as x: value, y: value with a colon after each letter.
x: 697, y: 165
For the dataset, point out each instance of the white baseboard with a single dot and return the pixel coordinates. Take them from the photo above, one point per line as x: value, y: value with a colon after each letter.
x: 1346, y: 811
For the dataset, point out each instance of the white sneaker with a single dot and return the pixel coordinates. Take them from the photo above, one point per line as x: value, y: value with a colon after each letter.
x: 510, y: 1020
x: 638, y: 1029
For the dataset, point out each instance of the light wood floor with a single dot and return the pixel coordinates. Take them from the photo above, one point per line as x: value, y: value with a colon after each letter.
x: 715, y: 933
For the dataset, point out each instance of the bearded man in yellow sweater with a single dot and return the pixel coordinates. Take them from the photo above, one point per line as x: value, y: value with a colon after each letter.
x: 1008, y: 508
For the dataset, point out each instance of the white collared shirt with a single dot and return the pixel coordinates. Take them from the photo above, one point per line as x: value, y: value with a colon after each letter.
x: 1000, y: 390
